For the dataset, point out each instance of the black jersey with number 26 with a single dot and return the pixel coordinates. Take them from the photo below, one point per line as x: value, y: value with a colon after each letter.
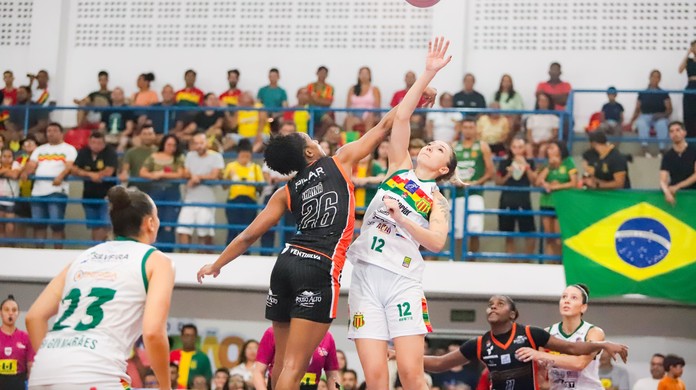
x: 497, y: 352
x: 321, y: 199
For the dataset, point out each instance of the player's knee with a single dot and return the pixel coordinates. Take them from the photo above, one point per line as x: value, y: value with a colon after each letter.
x: 412, y: 379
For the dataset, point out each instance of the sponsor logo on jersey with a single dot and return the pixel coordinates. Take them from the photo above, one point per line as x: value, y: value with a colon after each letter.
x: 358, y: 320
x: 490, y: 357
x: 384, y: 228
x: 411, y: 192
x: 305, y: 255
x: 271, y: 299
x: 105, y: 257
x: 21, y: 346
x: 312, y: 175
x: 313, y: 191
x: 489, y: 348
x: 308, y: 298
x: 407, y: 262
x: 505, y: 359
x: 322, y: 352
x: 520, y: 339
x: 96, y: 275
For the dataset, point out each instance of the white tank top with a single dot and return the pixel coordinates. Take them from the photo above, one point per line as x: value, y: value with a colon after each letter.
x: 99, y: 319
x: 588, y: 378
x: 384, y: 243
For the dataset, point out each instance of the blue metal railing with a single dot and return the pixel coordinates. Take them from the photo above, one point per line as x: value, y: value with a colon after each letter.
x: 570, y: 108
x: 280, y: 228
x: 167, y: 110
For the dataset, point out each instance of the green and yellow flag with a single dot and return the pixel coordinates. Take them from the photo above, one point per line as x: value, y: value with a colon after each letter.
x: 620, y: 242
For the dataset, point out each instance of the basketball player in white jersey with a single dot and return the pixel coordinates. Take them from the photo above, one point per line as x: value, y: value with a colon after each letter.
x: 386, y: 300
x: 104, y: 300
x: 566, y: 372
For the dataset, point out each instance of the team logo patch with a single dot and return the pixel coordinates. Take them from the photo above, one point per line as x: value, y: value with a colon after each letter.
x: 407, y: 262
x: 520, y: 339
x: 358, y: 320
x: 8, y: 351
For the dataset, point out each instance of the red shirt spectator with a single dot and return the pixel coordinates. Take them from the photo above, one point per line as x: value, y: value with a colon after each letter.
x: 189, y: 96
x: 231, y: 96
x: 555, y: 87
x: 409, y: 79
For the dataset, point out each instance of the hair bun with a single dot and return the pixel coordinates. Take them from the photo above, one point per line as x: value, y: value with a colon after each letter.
x: 119, y: 198
x: 11, y: 297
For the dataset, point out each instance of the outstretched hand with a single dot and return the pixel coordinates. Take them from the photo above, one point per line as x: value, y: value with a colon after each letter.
x: 437, y: 55
x: 207, y: 270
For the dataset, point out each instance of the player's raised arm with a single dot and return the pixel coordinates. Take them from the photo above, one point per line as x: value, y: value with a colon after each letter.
x: 436, y: 59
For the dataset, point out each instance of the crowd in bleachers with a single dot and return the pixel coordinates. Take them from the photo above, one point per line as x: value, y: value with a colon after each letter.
x: 165, y: 144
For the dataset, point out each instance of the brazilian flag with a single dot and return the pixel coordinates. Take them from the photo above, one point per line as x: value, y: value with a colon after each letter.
x: 620, y: 242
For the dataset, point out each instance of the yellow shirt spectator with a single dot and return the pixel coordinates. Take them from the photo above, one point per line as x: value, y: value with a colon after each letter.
x: 250, y: 172
x: 248, y: 123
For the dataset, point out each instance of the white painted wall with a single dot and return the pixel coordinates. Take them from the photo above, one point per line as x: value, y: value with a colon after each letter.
x: 654, y: 36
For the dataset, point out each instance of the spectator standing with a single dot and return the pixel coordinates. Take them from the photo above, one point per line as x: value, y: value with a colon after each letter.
x: 443, y: 126
x: 231, y: 96
x: 201, y: 164
x: 209, y: 122
x: 541, y: 128
x: 468, y: 97
x: 300, y: 116
x: 23, y: 209
x: 8, y: 95
x: 555, y: 87
x: 653, y: 109
x: 474, y: 168
x: 37, y: 122
x: 494, y: 129
x: 608, y: 168
x: 9, y: 187
x: 135, y: 157
x: 53, y: 160
x: 190, y: 360
x: 18, y: 353
x: 559, y: 174
x: 674, y: 368
x: 118, y: 121
x: 612, y: 115
x: 246, y: 361
x: 40, y: 91
x: 272, y: 95
x: 162, y: 166
x: 189, y: 96
x: 243, y: 169
x: 657, y: 372
x: 516, y: 171
x: 100, y: 97
x: 509, y: 99
x: 102, y: 93
x: 612, y: 377
x: 251, y: 124
x: 366, y: 96
x: 158, y: 117
x: 678, y: 167
x: 96, y: 162
x: 688, y: 64
x: 145, y: 96
x: 321, y: 95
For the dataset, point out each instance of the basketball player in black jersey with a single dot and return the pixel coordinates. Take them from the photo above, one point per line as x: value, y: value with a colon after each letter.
x: 499, y: 349
x: 303, y: 296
